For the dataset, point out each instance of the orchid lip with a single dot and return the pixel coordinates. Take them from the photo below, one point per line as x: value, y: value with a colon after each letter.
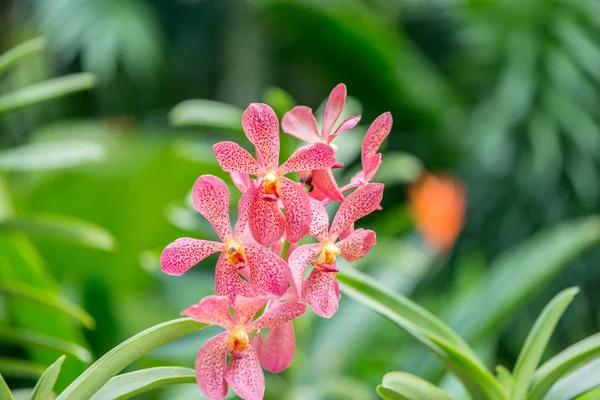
x: 234, y: 251
x: 271, y: 184
x: 327, y: 256
x: 239, y: 339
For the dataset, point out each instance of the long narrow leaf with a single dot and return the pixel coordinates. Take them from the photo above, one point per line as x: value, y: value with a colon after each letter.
x: 124, y: 354
x: 21, y: 51
x: 404, y: 386
x: 537, y: 340
x: 16, y: 368
x: 35, y: 339
x: 208, y: 114
x: 125, y: 386
x: 5, y: 393
x: 50, y: 156
x: 593, y: 394
x: 45, y: 385
x: 577, y: 382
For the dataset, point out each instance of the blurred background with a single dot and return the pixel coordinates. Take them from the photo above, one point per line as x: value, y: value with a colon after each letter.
x: 504, y: 95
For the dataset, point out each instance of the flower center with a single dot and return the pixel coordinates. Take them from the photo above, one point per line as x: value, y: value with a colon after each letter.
x: 271, y: 184
x: 329, y: 252
x: 234, y: 251
x: 239, y: 339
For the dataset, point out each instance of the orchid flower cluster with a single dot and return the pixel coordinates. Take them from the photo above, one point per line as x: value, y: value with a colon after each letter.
x: 261, y: 266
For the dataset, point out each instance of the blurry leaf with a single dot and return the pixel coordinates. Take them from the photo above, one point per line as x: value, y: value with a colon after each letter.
x: 403, y: 386
x: 207, y: 114
x: 127, y: 385
x: 425, y: 327
x: 27, y: 338
x: 553, y: 369
x: 198, y: 151
x: 44, y: 386
x: 124, y: 354
x: 400, y: 168
x: 593, y: 394
x: 577, y: 382
x: 17, y: 368
x: 44, y: 91
x: 537, y: 340
x: 49, y: 300
x: 48, y: 156
x: 280, y: 100
x: 505, y: 378
x: 4, y: 390
x: 21, y: 51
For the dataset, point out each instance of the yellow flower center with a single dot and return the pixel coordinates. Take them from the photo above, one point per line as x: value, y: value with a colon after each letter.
x: 234, y: 251
x: 329, y: 252
x: 239, y: 339
x: 271, y: 184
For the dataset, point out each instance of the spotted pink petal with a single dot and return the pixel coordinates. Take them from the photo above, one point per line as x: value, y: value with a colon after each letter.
x: 376, y: 134
x: 333, y: 109
x: 371, y: 166
x: 277, y: 351
x: 359, y: 203
x: 319, y: 220
x: 243, y: 210
x: 299, y: 260
x: 213, y: 310
x: 300, y: 122
x: 228, y: 281
x: 210, y: 367
x: 357, y: 244
x: 268, y: 272
x: 266, y: 222
x: 325, y: 183
x: 210, y: 196
x: 278, y: 314
x: 184, y: 253
x: 245, y: 375
x: 306, y: 158
x: 346, y: 125
x: 321, y: 291
x: 297, y: 209
x: 347, y: 232
x: 241, y: 181
x: 262, y: 128
x: 246, y: 307
x: 234, y: 158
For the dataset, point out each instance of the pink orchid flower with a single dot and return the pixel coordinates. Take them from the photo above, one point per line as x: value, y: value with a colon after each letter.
x: 265, y: 271
x: 321, y: 289
x: 243, y: 372
x: 300, y: 122
x: 266, y: 221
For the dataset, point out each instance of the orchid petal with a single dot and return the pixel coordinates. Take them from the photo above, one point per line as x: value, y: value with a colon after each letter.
x: 278, y: 314
x: 268, y: 272
x: 246, y: 307
x: 297, y: 209
x: 300, y: 122
x: 265, y: 220
x: 357, y: 244
x: 210, y: 196
x: 241, y: 181
x: 359, y: 203
x: 243, y: 210
x: 210, y: 367
x: 262, y: 129
x: 346, y: 125
x: 213, y: 310
x: 346, y: 232
x: 319, y: 220
x: 376, y: 134
x: 234, y: 158
x: 325, y: 183
x: 277, y: 352
x: 299, y: 260
x: 321, y: 291
x: 184, y: 253
x: 228, y: 281
x: 371, y: 166
x: 306, y: 158
x: 333, y: 109
x: 245, y: 375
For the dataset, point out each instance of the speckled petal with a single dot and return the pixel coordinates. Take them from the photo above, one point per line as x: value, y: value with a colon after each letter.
x: 306, y: 158
x: 359, y: 203
x: 262, y: 129
x: 210, y: 196
x: 243, y: 210
x: 234, y: 158
x: 277, y: 351
x: 321, y: 291
x: 319, y: 220
x: 300, y: 122
x: 266, y: 222
x: 324, y: 181
x: 297, y: 210
x: 210, y: 367
x: 333, y: 109
x: 279, y: 314
x: 268, y: 272
x: 213, y: 310
x: 346, y: 125
x: 228, y: 281
x: 241, y: 181
x: 245, y: 375
x: 299, y: 260
x: 246, y: 307
x: 376, y: 134
x: 357, y: 244
x: 371, y: 166
x: 184, y: 253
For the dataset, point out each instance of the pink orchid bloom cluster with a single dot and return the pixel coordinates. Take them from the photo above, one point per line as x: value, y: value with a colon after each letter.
x: 261, y: 268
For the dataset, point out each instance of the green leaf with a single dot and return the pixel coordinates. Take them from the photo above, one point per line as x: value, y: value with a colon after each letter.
x: 4, y: 390
x: 207, y: 114
x: 21, y: 51
x: 45, y: 385
x: 577, y: 382
x: 537, y: 340
x: 17, y: 368
x: 128, y: 385
x: 124, y: 354
x: 556, y: 367
x: 50, y: 156
x: 35, y: 339
x: 49, y: 300
x: 44, y: 91
x: 593, y: 394
x: 404, y: 386
x: 505, y: 378
x: 426, y: 328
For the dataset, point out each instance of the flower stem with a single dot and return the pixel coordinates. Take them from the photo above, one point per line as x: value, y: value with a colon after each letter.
x: 285, y: 250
